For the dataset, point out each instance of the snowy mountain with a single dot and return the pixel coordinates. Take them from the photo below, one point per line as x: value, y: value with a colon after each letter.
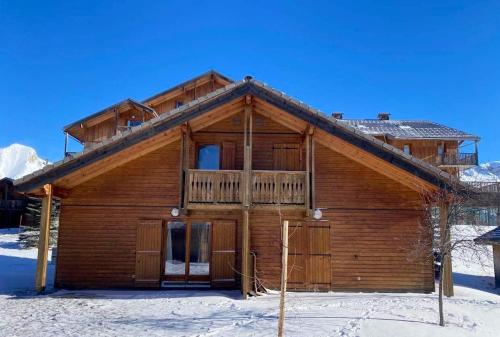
x: 484, y: 172
x: 19, y: 160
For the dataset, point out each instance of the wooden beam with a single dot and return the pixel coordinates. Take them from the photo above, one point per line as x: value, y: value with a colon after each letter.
x: 43, y: 241
x: 308, y: 173
x: 245, y: 252
x: 446, y: 244
x: 182, y: 172
x: 185, y: 163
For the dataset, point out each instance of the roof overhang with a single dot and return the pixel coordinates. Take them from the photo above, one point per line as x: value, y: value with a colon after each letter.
x: 425, y: 172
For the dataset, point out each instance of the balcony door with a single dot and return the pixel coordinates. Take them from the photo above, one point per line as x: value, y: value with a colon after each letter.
x: 187, y: 251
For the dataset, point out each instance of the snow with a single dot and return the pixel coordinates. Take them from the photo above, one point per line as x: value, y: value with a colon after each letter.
x: 17, y: 265
x: 474, y: 311
x: 19, y: 160
x: 487, y: 172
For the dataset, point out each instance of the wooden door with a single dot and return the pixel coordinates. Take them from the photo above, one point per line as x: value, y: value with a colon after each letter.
x: 228, y: 160
x: 309, y: 256
x: 286, y: 157
x: 148, y: 253
x: 223, y: 266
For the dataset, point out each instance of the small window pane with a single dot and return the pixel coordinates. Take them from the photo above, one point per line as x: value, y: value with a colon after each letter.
x: 406, y: 149
x: 199, y: 254
x: 209, y: 157
x: 175, y: 263
x: 132, y: 123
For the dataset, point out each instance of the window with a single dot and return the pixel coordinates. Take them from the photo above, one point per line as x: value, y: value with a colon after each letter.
x: 133, y: 122
x: 209, y: 157
x: 440, y: 150
x: 178, y: 104
x: 407, y: 149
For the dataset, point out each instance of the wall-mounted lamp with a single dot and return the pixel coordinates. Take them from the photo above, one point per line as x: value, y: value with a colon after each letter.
x: 317, y: 214
x: 174, y: 212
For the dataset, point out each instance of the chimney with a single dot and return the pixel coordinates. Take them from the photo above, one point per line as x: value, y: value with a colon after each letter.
x: 337, y: 115
x: 383, y: 116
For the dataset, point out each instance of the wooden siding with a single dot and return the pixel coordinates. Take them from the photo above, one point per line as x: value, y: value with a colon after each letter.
x: 98, y: 219
x: 372, y: 220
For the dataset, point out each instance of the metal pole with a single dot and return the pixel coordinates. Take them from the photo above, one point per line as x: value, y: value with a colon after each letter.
x: 284, y: 273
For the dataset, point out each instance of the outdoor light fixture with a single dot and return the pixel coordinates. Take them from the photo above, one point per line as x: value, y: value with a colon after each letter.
x: 317, y: 214
x: 174, y: 212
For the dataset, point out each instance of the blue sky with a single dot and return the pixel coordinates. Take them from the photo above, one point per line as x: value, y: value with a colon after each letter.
x: 437, y: 60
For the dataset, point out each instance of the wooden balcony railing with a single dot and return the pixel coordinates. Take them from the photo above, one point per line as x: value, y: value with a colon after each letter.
x: 226, y: 188
x: 279, y: 187
x: 457, y: 159
x: 221, y: 187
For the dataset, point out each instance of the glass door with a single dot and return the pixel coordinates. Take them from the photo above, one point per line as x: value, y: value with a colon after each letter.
x: 187, y: 251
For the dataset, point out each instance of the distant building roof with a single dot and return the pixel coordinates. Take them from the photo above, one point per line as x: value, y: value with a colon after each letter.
x: 408, y: 129
x: 490, y: 238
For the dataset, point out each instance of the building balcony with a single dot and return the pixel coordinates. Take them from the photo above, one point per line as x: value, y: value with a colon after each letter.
x: 225, y: 189
x: 452, y: 159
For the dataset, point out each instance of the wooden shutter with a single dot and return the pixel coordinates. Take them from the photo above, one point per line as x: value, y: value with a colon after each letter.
x: 297, y: 254
x: 148, y: 253
x: 309, y: 256
x: 223, y: 264
x: 319, y: 259
x: 286, y: 157
x: 228, y: 161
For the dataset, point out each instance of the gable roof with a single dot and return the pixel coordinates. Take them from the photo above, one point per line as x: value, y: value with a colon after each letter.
x: 408, y: 129
x: 137, y: 105
x: 143, y: 105
x: 248, y: 86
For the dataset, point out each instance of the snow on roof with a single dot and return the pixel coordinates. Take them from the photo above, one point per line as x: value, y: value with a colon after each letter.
x: 408, y: 129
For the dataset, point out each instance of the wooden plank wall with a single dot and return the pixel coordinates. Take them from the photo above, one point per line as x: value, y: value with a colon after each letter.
x: 187, y: 96
x: 266, y: 134
x: 375, y: 226
x: 98, y: 220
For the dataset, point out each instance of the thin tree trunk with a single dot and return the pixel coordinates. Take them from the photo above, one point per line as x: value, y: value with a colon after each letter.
x: 441, y: 274
x: 284, y: 272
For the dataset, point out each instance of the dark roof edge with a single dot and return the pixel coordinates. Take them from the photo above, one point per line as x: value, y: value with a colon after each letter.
x: 125, y: 101
x: 224, y: 95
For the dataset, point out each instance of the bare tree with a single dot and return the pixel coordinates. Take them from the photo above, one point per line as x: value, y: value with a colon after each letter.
x: 448, y: 227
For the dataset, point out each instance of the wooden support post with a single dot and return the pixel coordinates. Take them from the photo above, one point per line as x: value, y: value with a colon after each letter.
x: 496, y: 264
x: 245, y: 252
x: 43, y: 241
x: 308, y: 173
x: 247, y: 199
x: 446, y: 245
x: 284, y: 275
x: 185, y: 164
x: 182, y: 173
x: 313, y: 174
x: 116, y: 120
x: 65, y: 143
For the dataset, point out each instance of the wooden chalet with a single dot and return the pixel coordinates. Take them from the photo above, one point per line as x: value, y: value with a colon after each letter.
x: 12, y: 204
x: 194, y: 194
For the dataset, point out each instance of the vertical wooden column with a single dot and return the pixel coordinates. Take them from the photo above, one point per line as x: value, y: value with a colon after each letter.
x: 185, y: 163
x: 309, y: 132
x: 313, y: 174
x: 65, y: 143
x: 446, y: 244
x: 247, y: 164
x: 43, y: 241
x: 182, y: 172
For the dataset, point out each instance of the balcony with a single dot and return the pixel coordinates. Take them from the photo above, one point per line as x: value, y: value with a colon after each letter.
x: 224, y: 189
x: 457, y: 159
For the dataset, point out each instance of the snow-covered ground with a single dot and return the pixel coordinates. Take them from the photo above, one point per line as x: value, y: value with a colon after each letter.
x: 474, y: 311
